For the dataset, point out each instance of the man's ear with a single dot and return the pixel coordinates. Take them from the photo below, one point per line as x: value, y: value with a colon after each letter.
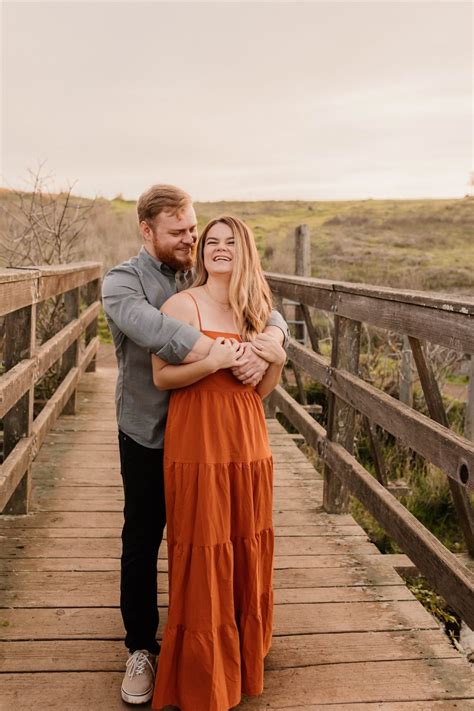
x: 145, y: 230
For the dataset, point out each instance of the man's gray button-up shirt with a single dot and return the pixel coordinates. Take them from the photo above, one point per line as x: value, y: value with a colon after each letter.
x: 132, y: 294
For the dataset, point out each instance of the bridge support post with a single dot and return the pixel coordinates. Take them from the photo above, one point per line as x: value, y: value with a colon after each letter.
x: 20, y: 330
x: 91, y: 331
x: 469, y: 418
x: 72, y: 308
x: 341, y: 417
x: 302, y: 268
x: 434, y: 402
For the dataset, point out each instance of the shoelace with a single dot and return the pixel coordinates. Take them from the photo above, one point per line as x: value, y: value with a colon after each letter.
x: 136, y: 664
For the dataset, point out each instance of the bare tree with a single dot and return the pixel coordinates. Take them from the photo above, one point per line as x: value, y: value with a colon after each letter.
x: 40, y: 225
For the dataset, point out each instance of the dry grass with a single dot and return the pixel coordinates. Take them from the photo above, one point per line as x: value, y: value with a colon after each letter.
x: 424, y: 244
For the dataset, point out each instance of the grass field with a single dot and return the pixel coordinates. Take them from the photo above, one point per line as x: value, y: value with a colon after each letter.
x: 420, y: 244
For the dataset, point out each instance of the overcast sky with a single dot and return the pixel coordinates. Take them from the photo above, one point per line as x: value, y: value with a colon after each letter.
x: 246, y: 100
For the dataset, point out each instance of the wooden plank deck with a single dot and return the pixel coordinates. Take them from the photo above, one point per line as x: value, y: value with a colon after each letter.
x: 348, y: 634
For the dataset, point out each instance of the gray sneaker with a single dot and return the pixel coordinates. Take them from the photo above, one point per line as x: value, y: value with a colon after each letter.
x: 139, y: 679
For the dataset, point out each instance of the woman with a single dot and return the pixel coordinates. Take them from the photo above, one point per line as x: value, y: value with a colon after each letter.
x: 218, y: 484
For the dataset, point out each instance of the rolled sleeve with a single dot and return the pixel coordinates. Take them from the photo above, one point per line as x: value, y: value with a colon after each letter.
x: 126, y: 306
x: 179, y: 344
x: 276, y: 319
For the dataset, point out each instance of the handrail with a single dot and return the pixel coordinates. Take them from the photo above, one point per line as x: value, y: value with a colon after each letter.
x: 450, y: 321
x: 439, y: 318
x: 21, y: 290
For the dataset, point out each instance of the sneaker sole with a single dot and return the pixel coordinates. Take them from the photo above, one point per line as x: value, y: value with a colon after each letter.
x: 142, y: 699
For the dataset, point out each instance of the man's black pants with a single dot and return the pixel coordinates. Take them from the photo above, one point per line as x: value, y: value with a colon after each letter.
x: 144, y: 522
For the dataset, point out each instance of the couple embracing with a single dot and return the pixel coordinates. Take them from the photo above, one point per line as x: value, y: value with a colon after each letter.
x: 198, y: 347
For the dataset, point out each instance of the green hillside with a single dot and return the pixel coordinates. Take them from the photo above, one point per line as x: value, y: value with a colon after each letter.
x: 418, y: 244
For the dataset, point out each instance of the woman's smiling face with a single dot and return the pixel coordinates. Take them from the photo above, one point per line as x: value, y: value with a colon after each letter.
x: 219, y: 249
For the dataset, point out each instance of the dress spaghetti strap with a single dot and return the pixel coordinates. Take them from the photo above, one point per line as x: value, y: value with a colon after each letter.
x: 197, y: 309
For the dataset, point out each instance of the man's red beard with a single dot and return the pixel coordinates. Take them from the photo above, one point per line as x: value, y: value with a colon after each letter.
x: 178, y: 259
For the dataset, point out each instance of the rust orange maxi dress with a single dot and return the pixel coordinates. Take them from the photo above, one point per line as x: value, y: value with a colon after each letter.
x: 218, y: 487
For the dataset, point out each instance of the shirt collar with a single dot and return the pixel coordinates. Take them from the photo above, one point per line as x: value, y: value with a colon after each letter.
x: 180, y: 277
x: 154, y: 263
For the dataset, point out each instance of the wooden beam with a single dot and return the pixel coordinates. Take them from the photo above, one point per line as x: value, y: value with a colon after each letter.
x: 18, y: 288
x: 406, y: 374
x: 93, y: 295
x: 448, y: 303
x: 448, y: 576
x: 302, y: 268
x: 299, y: 382
x: 70, y: 358
x: 30, y: 285
x: 13, y: 469
x: 311, y: 328
x: 438, y: 318
x: 376, y: 450
x: 469, y: 418
x: 434, y: 402
x: 19, y: 460
x: 55, y: 405
x: 341, y: 415
x: 20, y: 329
x: 445, y: 449
x: 15, y: 382
x: 56, y: 279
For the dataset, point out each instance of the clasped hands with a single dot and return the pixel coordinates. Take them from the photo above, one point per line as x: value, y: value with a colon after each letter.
x: 249, y: 360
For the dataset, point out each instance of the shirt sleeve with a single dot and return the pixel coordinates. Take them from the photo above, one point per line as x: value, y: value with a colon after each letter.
x: 126, y: 306
x: 276, y: 319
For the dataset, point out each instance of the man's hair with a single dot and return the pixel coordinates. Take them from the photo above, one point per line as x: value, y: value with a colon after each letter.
x: 161, y: 198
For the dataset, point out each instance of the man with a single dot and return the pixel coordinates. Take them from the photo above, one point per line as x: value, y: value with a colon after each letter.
x: 132, y: 295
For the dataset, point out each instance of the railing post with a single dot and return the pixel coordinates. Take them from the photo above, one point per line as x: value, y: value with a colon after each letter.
x: 302, y: 268
x: 434, y: 402
x: 70, y: 359
x: 469, y: 418
x: 341, y: 417
x: 406, y: 374
x: 91, y: 330
x: 20, y: 328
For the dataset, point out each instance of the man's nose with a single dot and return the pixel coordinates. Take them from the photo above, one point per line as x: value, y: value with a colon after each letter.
x: 189, y: 237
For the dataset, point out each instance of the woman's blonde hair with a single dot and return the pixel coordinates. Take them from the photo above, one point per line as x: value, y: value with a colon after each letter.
x: 249, y: 293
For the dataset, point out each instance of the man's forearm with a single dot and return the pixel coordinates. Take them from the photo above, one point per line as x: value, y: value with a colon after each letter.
x: 276, y: 332
x: 200, y: 349
x: 276, y: 320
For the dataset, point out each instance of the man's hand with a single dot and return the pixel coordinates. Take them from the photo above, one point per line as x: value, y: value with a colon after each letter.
x: 269, y: 348
x: 251, y: 368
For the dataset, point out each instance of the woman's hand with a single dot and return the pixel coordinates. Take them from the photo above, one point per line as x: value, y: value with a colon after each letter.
x: 225, y: 353
x: 268, y: 348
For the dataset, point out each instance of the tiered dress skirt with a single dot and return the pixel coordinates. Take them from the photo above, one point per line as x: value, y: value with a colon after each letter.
x: 218, y: 487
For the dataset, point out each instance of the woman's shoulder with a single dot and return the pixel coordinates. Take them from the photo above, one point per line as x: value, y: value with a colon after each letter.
x: 182, y: 306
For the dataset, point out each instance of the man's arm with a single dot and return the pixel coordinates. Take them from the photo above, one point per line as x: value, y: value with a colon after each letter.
x: 126, y: 305
x: 253, y: 368
x: 276, y: 321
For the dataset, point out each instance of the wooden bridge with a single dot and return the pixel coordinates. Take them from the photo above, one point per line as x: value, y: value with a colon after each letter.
x: 348, y: 633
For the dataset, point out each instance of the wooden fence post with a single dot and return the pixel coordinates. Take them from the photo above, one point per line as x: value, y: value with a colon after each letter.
x: 434, y: 402
x: 406, y: 374
x: 469, y: 418
x: 70, y: 359
x: 91, y: 330
x: 20, y: 329
x: 341, y: 417
x: 302, y: 268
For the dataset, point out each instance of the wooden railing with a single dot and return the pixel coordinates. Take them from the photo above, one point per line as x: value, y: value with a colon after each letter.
x: 437, y: 318
x: 21, y: 291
